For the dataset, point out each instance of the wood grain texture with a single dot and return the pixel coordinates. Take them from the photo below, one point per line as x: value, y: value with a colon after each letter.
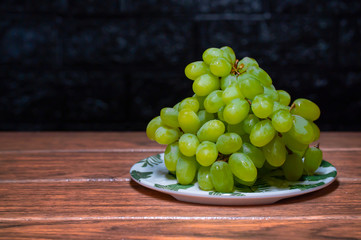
x: 184, y: 229
x: 69, y: 185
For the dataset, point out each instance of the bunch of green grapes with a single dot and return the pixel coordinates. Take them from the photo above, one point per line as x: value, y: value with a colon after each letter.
x: 235, y: 126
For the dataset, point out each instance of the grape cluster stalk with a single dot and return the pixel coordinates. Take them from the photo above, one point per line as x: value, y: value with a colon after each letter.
x: 236, y: 127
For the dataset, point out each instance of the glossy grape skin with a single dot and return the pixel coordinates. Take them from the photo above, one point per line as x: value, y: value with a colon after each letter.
x: 212, y: 54
x: 293, y: 167
x: 272, y: 92
x: 284, y: 97
x: 278, y: 106
x: 301, y: 130
x: 213, y: 101
x: 282, y: 121
x: 249, y: 122
x: 188, y: 121
x: 275, y: 152
x: 237, y: 128
x: 316, y: 131
x: 171, y: 156
x: 188, y: 144
x: 242, y: 167
x: 220, y: 67
x: 262, y: 105
x: 262, y: 133
x: 205, y: 84
x: 189, y: 103
x: 261, y: 75
x: 230, y: 93
x: 186, y: 169
x: 245, y: 63
x: 169, y: 117
x: 228, y: 81
x: 196, y: 69
x: 229, y: 54
x: 251, y: 87
x: 204, y: 178
x: 222, y: 177
x: 220, y: 114
x: 211, y: 130
x: 200, y: 100
x: 312, y: 160
x: 166, y: 135
x: 205, y: 116
x: 254, y: 153
x: 306, y: 109
x: 152, y: 126
x: 294, y: 145
x: 236, y: 111
x: 206, y: 153
x: 229, y: 143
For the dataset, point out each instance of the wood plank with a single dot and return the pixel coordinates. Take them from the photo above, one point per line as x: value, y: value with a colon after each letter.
x: 73, y: 166
x: 76, y: 141
x: 251, y: 228
x: 131, y: 141
x: 129, y: 199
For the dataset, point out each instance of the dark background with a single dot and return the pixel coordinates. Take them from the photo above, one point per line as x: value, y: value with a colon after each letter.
x: 112, y: 65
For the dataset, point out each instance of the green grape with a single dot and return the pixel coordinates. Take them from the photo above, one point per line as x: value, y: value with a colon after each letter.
x: 306, y: 109
x: 169, y: 117
x: 245, y: 138
x: 249, y: 122
x: 220, y: 114
x: 272, y: 92
x: 312, y: 160
x: 188, y: 144
x: 301, y: 130
x: 211, y: 130
x: 245, y: 76
x: 262, y: 105
x: 230, y: 93
x: 275, y: 152
x: 196, y: 69
x: 293, y: 167
x: 189, y: 103
x: 242, y: 167
x: 229, y: 143
x: 206, y: 153
x: 213, y: 101
x: 222, y: 177
x: 262, y: 133
x: 245, y: 63
x: 237, y: 128
x: 220, y: 67
x: 204, y: 178
x: 205, y: 84
x: 316, y: 131
x: 166, y: 135
x: 176, y: 107
x: 282, y: 121
x: 152, y: 126
x: 278, y: 106
x: 229, y: 54
x: 228, y: 81
x: 171, y: 156
x: 186, y: 169
x: 189, y: 121
x: 254, y: 153
x: 200, y: 100
x: 236, y: 111
x: 261, y: 75
x: 251, y: 87
x: 294, y: 145
x: 205, y: 116
x: 212, y: 54
x: 284, y: 96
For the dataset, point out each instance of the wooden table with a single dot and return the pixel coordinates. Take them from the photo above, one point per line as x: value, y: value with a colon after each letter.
x: 66, y: 185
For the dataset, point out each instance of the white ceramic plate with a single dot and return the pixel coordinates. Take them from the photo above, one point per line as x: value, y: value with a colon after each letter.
x: 152, y: 173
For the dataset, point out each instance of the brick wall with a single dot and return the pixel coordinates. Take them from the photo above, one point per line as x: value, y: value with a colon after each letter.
x: 112, y: 65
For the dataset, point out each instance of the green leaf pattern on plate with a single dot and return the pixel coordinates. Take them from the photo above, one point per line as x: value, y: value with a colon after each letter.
x: 173, y: 187
x: 151, y: 161
x: 138, y: 175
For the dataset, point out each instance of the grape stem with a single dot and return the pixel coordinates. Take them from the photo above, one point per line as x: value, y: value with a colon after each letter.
x: 317, y: 145
x: 292, y: 106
